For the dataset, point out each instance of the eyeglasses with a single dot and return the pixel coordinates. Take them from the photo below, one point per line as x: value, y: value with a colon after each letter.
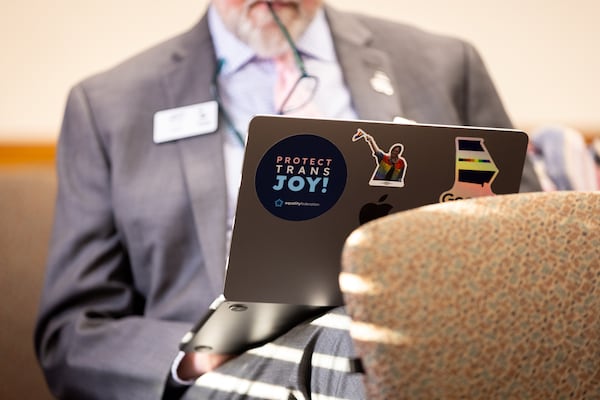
x: 304, y: 89
x: 301, y: 93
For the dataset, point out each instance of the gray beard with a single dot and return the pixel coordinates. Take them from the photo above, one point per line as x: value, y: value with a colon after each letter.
x: 267, y: 46
x: 271, y: 43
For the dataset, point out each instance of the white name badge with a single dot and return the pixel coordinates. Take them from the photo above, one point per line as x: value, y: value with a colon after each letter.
x: 187, y: 121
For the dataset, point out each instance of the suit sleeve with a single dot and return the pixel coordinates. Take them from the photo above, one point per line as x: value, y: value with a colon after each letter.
x: 91, y: 337
x: 483, y: 107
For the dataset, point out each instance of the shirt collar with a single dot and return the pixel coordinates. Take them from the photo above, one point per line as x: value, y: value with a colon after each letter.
x: 315, y: 42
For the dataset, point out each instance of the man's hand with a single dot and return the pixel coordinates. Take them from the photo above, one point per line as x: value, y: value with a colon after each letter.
x: 193, y: 365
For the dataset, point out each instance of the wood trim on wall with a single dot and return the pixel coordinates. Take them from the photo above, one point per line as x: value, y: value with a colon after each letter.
x: 18, y: 153
x: 589, y: 136
x: 27, y: 153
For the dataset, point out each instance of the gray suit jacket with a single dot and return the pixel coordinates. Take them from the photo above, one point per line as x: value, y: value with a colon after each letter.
x: 138, y: 248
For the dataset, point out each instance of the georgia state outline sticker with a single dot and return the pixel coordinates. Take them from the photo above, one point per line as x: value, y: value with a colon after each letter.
x: 475, y: 170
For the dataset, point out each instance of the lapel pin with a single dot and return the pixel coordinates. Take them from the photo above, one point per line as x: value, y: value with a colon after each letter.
x: 381, y: 83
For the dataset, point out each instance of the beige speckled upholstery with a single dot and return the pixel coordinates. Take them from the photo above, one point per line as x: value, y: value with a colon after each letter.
x: 495, y: 297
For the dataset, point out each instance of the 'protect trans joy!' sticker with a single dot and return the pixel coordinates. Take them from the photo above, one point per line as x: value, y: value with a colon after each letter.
x: 301, y: 177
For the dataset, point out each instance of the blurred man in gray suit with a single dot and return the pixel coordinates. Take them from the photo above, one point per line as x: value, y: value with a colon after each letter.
x: 145, y: 203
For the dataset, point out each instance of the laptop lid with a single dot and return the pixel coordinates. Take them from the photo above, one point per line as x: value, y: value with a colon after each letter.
x: 308, y: 183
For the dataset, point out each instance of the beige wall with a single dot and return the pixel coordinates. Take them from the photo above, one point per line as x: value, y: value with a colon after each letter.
x: 543, y: 55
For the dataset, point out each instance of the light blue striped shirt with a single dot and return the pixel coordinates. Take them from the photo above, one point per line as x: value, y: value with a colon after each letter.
x: 246, y: 85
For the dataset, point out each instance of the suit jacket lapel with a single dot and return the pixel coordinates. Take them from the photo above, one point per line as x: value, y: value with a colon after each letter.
x: 202, y: 159
x: 365, y: 68
x: 188, y: 82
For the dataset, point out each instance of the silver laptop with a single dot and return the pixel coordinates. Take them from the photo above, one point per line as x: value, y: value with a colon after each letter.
x: 308, y: 183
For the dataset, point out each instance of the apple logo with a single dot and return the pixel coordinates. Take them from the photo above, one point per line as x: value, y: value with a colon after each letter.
x: 371, y: 211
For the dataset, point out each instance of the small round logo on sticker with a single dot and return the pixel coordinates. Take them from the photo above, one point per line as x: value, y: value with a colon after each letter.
x: 301, y: 177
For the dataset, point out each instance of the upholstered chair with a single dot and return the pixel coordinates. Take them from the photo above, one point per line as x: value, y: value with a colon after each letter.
x: 495, y: 297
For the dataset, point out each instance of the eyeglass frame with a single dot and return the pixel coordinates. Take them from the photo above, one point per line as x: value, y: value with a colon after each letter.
x: 214, y: 88
x: 299, y: 64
